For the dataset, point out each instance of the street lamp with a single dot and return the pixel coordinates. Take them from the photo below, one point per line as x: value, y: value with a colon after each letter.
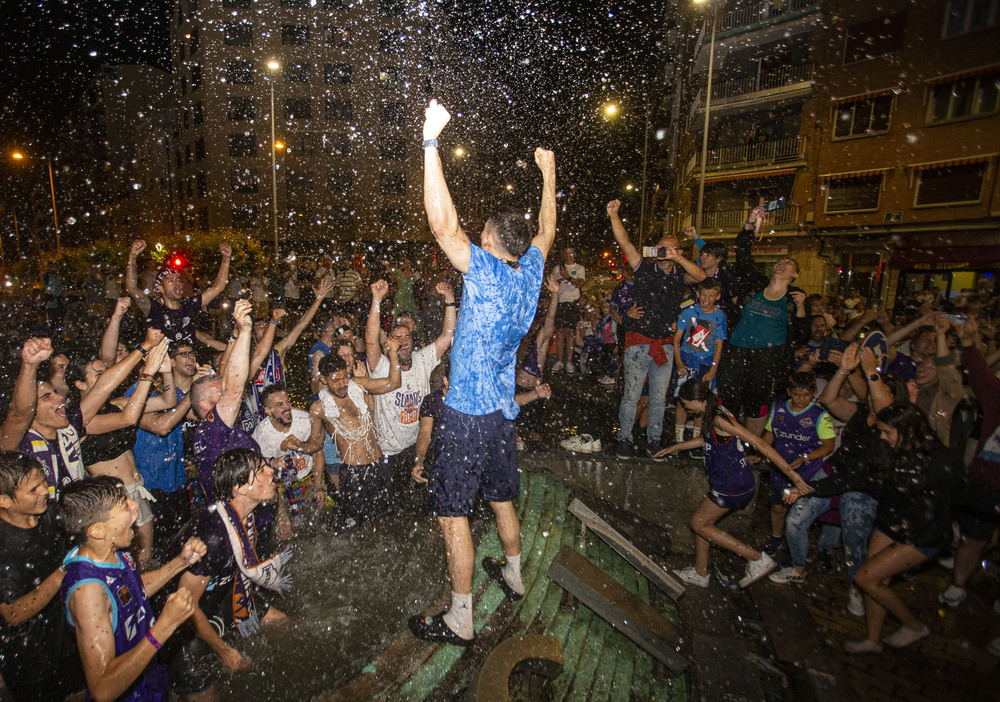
x: 611, y: 109
x: 708, y: 111
x: 459, y: 152
x: 273, y: 67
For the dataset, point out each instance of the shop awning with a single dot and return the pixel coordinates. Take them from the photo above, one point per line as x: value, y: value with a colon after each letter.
x: 742, y: 176
x: 860, y: 97
x: 958, y: 161
x: 855, y: 174
x: 945, y: 257
x: 971, y: 73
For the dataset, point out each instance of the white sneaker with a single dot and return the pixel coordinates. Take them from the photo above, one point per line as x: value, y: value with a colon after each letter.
x: 606, y: 380
x: 557, y: 366
x: 787, y: 575
x: 582, y: 443
x: 862, y: 646
x: 953, y: 596
x: 690, y: 576
x: 757, y: 570
x: 570, y: 368
x: 904, y: 637
x: 855, y: 602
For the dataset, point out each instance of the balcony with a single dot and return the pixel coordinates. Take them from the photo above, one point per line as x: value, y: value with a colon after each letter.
x: 763, y: 12
x: 731, y: 221
x: 755, y: 155
x: 776, y: 82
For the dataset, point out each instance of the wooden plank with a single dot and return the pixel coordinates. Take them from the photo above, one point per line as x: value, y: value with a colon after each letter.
x: 619, y: 607
x: 788, y: 622
x: 657, y: 575
x: 539, y: 654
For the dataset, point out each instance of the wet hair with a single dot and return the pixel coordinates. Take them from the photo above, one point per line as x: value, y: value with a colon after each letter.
x: 801, y: 381
x: 439, y: 374
x: 76, y: 370
x: 717, y: 249
x: 897, y: 386
x: 235, y: 468
x: 88, y: 501
x: 697, y: 390
x: 511, y: 232
x: 176, y: 349
x: 14, y: 470
x: 917, y: 441
x: 342, y: 343
x: 331, y: 363
x: 199, y: 390
x: 271, y: 390
x: 710, y: 284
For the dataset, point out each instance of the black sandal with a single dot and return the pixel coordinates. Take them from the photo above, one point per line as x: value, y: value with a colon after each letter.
x: 494, y: 569
x: 434, y: 629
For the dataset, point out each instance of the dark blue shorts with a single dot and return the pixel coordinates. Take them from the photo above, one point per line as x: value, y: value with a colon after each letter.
x: 474, y: 455
x: 726, y: 501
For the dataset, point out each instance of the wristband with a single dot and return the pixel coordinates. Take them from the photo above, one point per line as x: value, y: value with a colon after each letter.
x: 430, y: 142
x: 152, y: 640
x: 141, y: 350
x: 451, y: 304
x: 843, y: 372
x: 275, y: 323
x: 145, y: 376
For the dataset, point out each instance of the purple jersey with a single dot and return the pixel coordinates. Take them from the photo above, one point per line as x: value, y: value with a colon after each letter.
x: 726, y: 464
x: 212, y: 438
x: 131, y: 615
x: 529, y: 364
x: 271, y: 372
x: 796, y: 434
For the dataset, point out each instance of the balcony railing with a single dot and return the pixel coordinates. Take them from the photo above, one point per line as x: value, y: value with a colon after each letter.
x: 733, y: 220
x: 767, y: 80
x: 752, y: 13
x: 765, y: 153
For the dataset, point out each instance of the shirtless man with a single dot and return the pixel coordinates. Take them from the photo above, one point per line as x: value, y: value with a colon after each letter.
x: 346, y: 407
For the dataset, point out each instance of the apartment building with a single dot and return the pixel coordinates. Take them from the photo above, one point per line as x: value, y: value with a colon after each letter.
x: 348, y: 81
x: 877, y: 125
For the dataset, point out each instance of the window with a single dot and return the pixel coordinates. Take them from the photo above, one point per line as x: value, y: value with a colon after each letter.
x: 862, y: 118
x: 244, y: 180
x: 194, y: 40
x: 199, y: 149
x: 301, y: 145
x: 340, y: 184
x: 876, y: 37
x: 244, y: 216
x: 236, y: 3
x: 393, y: 183
x: 239, y: 72
x: 333, y: 36
x: 392, y: 148
x: 183, y: 53
x: 186, y: 120
x: 393, y: 113
x: 298, y: 181
x: 203, y: 219
x: 177, y: 157
x: 393, y: 217
x: 337, y: 73
x: 295, y: 34
x: 853, y: 194
x: 336, y: 4
x: 391, y: 42
x: 242, y: 145
x: 392, y: 8
x: 201, y: 185
x: 964, y: 16
x: 390, y: 78
x: 336, y: 144
x: 298, y: 108
x: 295, y: 3
x: 950, y: 186
x: 298, y: 72
x: 184, y: 85
x: 199, y: 113
x: 964, y: 98
x: 187, y: 153
x: 339, y: 109
x: 195, y: 77
x: 240, y: 109
x: 238, y: 33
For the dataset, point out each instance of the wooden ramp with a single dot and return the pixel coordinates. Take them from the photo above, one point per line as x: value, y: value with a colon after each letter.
x: 533, y: 653
x: 599, y: 663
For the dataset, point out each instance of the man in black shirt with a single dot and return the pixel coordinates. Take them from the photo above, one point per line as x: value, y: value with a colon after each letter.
x: 649, y: 328
x: 38, y: 657
x: 164, y: 305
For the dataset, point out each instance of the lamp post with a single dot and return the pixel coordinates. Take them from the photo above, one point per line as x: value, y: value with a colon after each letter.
x: 273, y: 66
x: 18, y: 156
x: 708, y: 110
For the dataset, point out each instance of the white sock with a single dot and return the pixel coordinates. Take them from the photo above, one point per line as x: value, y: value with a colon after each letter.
x: 459, y: 617
x: 512, y: 573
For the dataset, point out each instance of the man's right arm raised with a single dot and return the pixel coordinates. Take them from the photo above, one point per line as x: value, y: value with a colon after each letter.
x: 621, y: 236
x: 441, y: 214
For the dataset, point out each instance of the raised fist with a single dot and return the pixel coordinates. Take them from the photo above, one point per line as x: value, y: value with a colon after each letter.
x: 193, y: 551
x: 226, y: 250
x: 545, y: 160
x: 138, y: 246
x: 613, y: 207
x: 36, y: 351
x: 121, y: 306
x: 435, y: 119
x: 380, y: 289
x: 179, y: 607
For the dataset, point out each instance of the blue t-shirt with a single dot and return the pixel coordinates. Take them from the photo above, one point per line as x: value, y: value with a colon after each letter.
x: 701, y: 330
x: 498, y: 304
x: 160, y: 459
x: 764, y: 323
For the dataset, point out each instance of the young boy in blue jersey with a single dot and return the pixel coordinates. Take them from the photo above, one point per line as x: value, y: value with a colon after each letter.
x: 802, y: 433
x: 475, y: 445
x: 701, y: 334
x: 107, y: 601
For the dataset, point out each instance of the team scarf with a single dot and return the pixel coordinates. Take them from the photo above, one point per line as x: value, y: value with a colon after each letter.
x: 252, y: 571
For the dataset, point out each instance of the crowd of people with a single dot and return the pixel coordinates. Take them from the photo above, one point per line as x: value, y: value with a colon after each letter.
x: 160, y: 434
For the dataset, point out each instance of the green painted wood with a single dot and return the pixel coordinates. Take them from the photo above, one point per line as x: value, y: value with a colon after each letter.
x: 621, y: 684
x: 535, y: 595
x: 600, y: 690
x: 586, y: 671
x: 582, y: 668
x: 573, y: 648
x: 642, y: 676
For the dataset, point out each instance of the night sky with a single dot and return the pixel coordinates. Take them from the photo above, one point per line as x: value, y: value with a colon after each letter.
x: 541, y: 69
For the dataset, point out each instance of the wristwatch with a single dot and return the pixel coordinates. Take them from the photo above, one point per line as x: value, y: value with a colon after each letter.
x: 875, y: 377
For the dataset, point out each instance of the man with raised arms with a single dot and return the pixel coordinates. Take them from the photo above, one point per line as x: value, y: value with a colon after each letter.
x: 475, y: 447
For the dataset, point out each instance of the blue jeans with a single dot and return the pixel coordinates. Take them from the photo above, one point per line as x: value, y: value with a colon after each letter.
x: 857, y: 517
x: 636, y: 365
